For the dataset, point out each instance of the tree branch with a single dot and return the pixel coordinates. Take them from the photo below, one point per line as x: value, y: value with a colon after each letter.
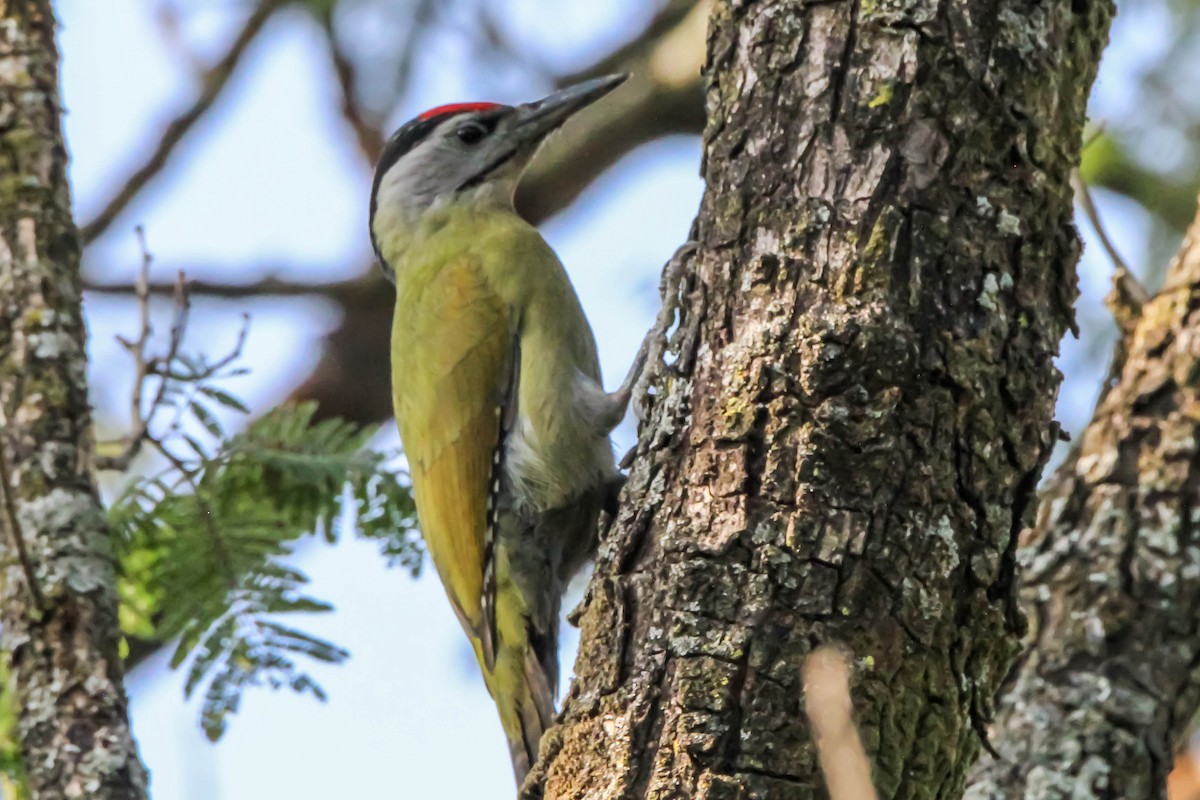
x: 1112, y: 580
x: 346, y: 292
x: 66, y: 676
x: 212, y: 83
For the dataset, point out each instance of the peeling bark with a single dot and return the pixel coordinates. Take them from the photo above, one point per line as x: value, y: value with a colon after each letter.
x: 848, y: 442
x: 59, y: 587
x: 1111, y: 578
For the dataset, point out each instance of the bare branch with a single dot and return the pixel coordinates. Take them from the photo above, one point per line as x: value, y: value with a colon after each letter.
x: 346, y: 292
x: 131, y: 444
x: 213, y: 82
x: 1127, y: 297
x: 144, y: 368
x: 1083, y: 196
x: 366, y: 126
x: 172, y: 370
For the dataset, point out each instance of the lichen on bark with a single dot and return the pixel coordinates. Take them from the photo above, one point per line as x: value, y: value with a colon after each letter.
x: 1111, y: 676
x: 59, y: 598
x: 847, y: 444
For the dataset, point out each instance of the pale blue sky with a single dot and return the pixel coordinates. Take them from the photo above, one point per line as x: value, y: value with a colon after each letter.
x: 270, y: 177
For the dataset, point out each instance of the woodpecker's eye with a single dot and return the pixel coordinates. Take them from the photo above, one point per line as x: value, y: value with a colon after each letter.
x: 471, y: 133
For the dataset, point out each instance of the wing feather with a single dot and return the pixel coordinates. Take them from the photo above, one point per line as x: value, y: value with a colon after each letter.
x: 453, y: 367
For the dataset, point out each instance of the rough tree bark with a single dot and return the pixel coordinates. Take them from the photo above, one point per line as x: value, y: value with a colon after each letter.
x: 849, y: 440
x: 58, y: 585
x: 1112, y: 578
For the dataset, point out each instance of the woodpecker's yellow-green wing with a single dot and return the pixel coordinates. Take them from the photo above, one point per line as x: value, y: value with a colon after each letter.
x: 453, y: 367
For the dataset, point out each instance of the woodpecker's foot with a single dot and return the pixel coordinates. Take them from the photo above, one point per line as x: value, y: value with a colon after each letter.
x: 654, y: 346
x: 618, y: 401
x: 648, y: 362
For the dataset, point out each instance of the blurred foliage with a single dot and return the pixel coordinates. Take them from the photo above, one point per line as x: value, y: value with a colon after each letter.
x: 12, y: 773
x: 1108, y: 164
x: 203, y: 548
x: 1149, y: 151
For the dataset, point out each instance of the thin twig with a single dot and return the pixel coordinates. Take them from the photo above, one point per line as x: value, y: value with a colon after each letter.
x: 353, y: 290
x: 367, y: 129
x: 139, y: 421
x: 1128, y: 296
x: 213, y: 83
x: 145, y: 367
x: 828, y: 707
x: 1084, y: 195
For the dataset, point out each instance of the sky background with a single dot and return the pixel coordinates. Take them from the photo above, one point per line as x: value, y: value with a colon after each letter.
x: 271, y: 178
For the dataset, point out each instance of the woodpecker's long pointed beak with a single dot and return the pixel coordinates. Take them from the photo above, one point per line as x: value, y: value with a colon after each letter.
x: 538, y: 119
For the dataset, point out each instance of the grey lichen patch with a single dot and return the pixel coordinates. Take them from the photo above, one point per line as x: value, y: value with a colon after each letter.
x: 991, y: 290
x: 1008, y: 223
x: 943, y: 530
x: 51, y: 344
x: 72, y: 526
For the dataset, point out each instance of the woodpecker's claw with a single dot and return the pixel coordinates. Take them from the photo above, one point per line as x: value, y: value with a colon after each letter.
x: 648, y: 361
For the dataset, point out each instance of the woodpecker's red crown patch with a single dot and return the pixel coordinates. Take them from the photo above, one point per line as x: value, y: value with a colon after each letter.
x: 457, y: 108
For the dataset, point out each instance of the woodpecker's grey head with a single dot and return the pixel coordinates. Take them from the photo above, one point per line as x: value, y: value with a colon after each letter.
x: 466, y: 150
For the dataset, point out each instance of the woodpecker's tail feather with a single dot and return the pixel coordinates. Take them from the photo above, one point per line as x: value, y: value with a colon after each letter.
x: 523, y: 680
x: 523, y: 690
x: 534, y: 714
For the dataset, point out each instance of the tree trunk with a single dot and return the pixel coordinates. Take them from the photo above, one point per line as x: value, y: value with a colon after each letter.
x: 848, y: 442
x: 59, y: 587
x: 1112, y: 579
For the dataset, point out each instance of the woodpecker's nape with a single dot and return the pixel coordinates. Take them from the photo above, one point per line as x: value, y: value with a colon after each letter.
x: 497, y: 389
